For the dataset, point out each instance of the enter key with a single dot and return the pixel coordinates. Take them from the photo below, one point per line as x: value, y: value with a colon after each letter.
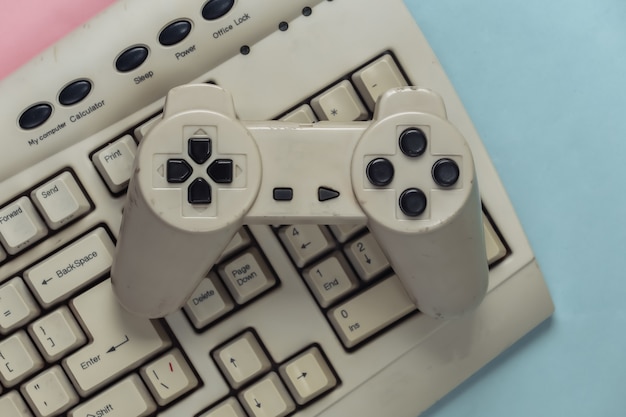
x: 120, y: 341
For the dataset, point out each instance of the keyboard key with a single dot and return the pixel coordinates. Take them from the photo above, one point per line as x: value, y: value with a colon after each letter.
x: 229, y: 408
x: 75, y: 266
x: 127, y: 398
x: 494, y: 246
x: 18, y: 359
x: 247, y: 276
x: 115, y: 163
x: 17, y: 306
x: 20, y: 225
x: 50, y: 393
x: 239, y: 241
x: 119, y: 343
x: 208, y: 302
x: 267, y: 398
x: 339, y: 104
x: 330, y: 279
x: 305, y: 242
x: 303, y: 114
x: 242, y: 359
x: 366, y: 257
x: 308, y: 376
x: 376, y: 78
x: 169, y: 377
x: 370, y: 311
x: 60, y: 200
x: 57, y: 334
x: 12, y: 405
x: 343, y: 232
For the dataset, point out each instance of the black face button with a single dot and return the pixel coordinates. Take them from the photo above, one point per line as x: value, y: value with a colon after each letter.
x: 131, y: 58
x: 283, y: 194
x: 199, y: 192
x: 413, y: 202
x: 446, y: 172
x: 35, y: 116
x: 325, y: 194
x: 199, y: 149
x: 221, y: 171
x: 380, y: 172
x: 214, y: 9
x: 178, y: 170
x: 175, y: 33
x: 413, y: 142
x: 74, y: 92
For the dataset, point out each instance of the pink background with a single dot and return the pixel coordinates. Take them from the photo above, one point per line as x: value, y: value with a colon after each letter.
x: 27, y: 27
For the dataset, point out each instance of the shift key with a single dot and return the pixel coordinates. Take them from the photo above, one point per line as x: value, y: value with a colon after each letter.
x: 120, y: 341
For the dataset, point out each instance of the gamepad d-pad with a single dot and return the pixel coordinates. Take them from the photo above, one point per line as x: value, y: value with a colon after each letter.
x: 200, y: 174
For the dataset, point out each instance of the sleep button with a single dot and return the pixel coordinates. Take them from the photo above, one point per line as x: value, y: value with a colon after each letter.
x: 131, y: 58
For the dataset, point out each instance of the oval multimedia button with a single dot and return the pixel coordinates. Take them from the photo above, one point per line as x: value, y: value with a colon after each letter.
x: 131, y: 58
x: 74, y: 92
x: 175, y: 33
x: 214, y: 9
x: 35, y: 116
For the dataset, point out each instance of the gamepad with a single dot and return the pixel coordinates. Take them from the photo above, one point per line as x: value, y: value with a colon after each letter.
x: 201, y: 173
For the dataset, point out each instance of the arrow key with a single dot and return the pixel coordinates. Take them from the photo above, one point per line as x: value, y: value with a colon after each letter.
x: 308, y: 375
x: 267, y: 398
x: 242, y: 359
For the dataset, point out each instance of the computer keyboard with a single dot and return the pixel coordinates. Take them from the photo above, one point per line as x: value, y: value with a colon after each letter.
x: 304, y: 319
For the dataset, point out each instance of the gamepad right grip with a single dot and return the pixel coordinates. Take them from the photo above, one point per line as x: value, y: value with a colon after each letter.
x: 200, y: 174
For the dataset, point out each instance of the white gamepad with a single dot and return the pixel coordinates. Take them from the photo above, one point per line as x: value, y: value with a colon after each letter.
x: 201, y: 173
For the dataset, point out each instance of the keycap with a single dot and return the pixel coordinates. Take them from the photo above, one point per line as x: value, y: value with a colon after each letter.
x: 305, y: 242
x: 169, y: 377
x: 18, y: 359
x: 267, y: 398
x: 119, y: 343
x: 339, y: 103
x: 239, y: 241
x: 376, y: 78
x: 330, y: 279
x: 303, y: 114
x: 494, y: 246
x: 208, y: 302
x: 308, y: 375
x: 242, y: 359
x: 3, y: 254
x: 366, y: 257
x: 370, y: 311
x: 20, y: 225
x: 229, y: 408
x: 17, y: 306
x: 12, y: 405
x: 343, y: 232
x: 247, y: 276
x: 115, y: 162
x: 127, y: 398
x: 73, y: 267
x: 50, y: 393
x: 57, y: 334
x: 60, y: 200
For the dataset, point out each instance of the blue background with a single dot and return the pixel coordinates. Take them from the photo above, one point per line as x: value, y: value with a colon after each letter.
x: 545, y: 84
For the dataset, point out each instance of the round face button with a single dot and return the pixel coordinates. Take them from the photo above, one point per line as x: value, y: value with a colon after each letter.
x: 413, y: 142
x: 413, y: 202
x: 35, y: 116
x: 380, y: 172
x: 446, y: 172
